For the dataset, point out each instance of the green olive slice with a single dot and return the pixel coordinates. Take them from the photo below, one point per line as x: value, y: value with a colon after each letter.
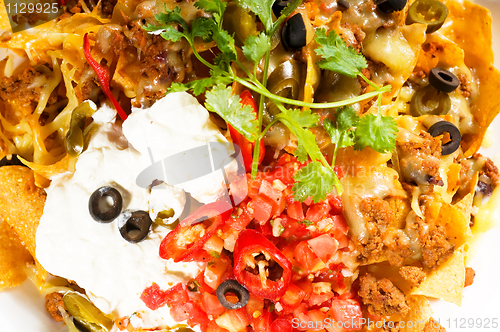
x: 240, y: 22
x: 74, y: 138
x: 284, y: 81
x: 430, y: 12
x: 86, y: 313
x: 429, y: 101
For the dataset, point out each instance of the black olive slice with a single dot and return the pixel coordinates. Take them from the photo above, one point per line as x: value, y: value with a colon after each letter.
x: 294, y: 33
x: 343, y: 4
x: 278, y: 6
x: 105, y: 204
x: 232, y: 286
x: 13, y: 161
x: 443, y: 80
x: 441, y: 127
x: 390, y: 6
x: 136, y: 226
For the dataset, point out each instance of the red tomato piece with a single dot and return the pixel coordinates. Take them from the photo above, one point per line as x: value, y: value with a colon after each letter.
x: 255, y: 305
x: 211, y: 304
x: 305, y: 256
x: 292, y: 297
x: 324, y: 246
x: 262, y: 323
x: 154, y: 297
x: 233, y: 320
x: 294, y: 210
x: 340, y: 224
x: 348, y: 312
x: 318, y: 211
x: 240, y: 218
x: 335, y: 203
x: 281, y: 325
x: 263, y: 208
x: 294, y: 229
x: 213, y: 327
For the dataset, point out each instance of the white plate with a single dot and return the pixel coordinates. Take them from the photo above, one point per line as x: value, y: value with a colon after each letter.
x: 22, y: 309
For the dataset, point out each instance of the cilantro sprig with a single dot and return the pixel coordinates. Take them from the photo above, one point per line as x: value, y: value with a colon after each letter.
x: 317, y: 178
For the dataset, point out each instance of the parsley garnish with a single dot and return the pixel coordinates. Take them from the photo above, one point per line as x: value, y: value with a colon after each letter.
x: 337, y: 56
x: 214, y: 254
x: 306, y: 222
x: 317, y: 178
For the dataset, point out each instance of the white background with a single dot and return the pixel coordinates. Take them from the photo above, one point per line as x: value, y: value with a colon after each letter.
x: 22, y: 309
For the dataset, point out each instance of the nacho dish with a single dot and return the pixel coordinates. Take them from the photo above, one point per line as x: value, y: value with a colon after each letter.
x: 249, y: 165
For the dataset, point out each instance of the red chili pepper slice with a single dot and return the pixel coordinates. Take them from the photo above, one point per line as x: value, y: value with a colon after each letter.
x: 190, y: 235
x: 245, y: 145
x: 250, y: 242
x: 103, y: 76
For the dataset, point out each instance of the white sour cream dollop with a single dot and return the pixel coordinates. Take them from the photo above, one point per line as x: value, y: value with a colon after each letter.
x: 72, y: 245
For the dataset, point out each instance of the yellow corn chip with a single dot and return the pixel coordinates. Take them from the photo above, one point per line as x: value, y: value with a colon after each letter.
x: 13, y: 257
x: 21, y: 203
x: 471, y: 30
x: 447, y: 281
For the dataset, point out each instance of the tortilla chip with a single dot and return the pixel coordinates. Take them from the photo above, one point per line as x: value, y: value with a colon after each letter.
x: 456, y: 220
x: 447, y: 281
x: 13, y: 258
x: 419, y: 314
x: 471, y: 30
x: 21, y: 206
x: 439, y: 51
x: 4, y: 18
x: 21, y: 203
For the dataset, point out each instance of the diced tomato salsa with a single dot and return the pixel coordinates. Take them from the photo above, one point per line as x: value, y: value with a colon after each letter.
x: 307, y: 240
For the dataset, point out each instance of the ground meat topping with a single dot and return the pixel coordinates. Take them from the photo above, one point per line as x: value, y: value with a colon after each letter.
x: 54, y: 304
x: 20, y: 87
x: 378, y: 216
x: 413, y: 274
x: 381, y: 297
x: 435, y: 244
x: 465, y: 86
x: 419, y: 157
x: 469, y: 276
x: 382, y: 221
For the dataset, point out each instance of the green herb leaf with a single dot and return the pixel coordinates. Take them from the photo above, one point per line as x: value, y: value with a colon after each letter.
x: 341, y: 139
x: 290, y: 7
x: 214, y: 254
x: 256, y: 47
x: 337, y: 56
x: 221, y: 101
x: 172, y: 16
x: 301, y: 153
x: 342, y: 132
x: 303, y: 118
x: 262, y: 8
x: 306, y: 222
x: 216, y: 7
x: 178, y: 87
x: 225, y: 43
x: 199, y: 86
x: 377, y: 132
x: 203, y: 27
x: 172, y: 34
x: 346, y: 118
x: 315, y: 181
